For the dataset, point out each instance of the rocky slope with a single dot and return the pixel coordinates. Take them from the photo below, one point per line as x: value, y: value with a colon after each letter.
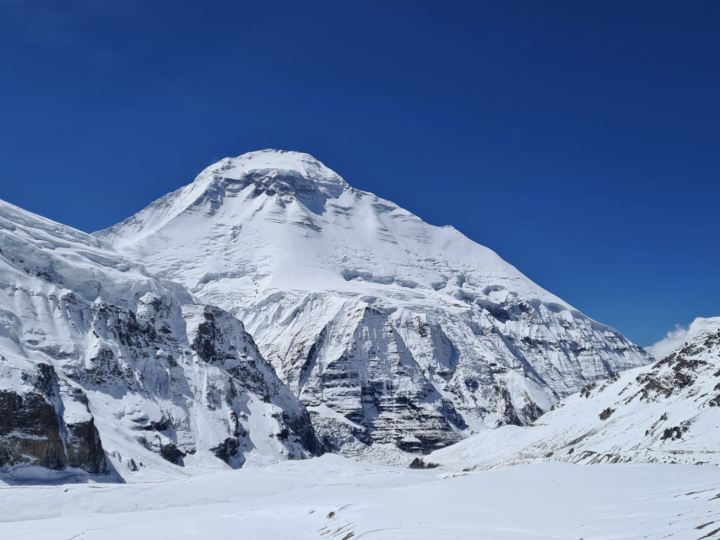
x: 105, y: 368
x: 393, y: 332
x: 668, y: 412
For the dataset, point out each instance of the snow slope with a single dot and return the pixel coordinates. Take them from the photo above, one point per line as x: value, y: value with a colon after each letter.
x: 105, y: 368
x: 392, y: 331
x: 332, y: 497
x: 668, y: 412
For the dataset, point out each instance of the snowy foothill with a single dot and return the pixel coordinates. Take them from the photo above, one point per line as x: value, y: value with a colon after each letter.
x: 667, y: 412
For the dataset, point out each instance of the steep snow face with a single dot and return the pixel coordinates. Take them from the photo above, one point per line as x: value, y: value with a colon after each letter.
x: 392, y: 330
x: 668, y: 412
x: 97, y: 357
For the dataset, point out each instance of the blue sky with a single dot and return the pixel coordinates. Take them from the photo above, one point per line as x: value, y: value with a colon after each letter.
x: 579, y: 140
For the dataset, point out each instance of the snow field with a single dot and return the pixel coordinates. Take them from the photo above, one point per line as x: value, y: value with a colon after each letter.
x: 333, y: 497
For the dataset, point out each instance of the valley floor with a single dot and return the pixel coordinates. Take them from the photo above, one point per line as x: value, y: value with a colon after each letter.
x: 332, y: 497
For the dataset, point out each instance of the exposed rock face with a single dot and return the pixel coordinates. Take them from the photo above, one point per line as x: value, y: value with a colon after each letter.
x: 37, y: 429
x: 84, y: 448
x: 377, y: 384
x: 220, y: 339
x: 389, y: 329
x: 663, y: 413
x: 30, y: 431
x: 96, y: 349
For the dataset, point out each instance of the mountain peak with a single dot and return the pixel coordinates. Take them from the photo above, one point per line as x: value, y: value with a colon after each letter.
x: 281, y: 175
x: 276, y: 172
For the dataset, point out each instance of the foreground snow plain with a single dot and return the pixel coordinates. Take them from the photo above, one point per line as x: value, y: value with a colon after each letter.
x: 334, y: 497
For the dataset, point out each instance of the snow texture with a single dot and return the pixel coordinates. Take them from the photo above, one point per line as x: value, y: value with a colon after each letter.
x: 396, y: 333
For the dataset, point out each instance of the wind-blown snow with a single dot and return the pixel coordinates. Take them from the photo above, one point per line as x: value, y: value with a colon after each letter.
x: 672, y: 340
x: 412, y: 332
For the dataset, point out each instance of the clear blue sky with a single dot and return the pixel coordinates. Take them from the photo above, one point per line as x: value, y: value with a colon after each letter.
x: 579, y: 140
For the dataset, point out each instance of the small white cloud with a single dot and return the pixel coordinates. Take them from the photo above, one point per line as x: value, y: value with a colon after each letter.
x: 673, y: 340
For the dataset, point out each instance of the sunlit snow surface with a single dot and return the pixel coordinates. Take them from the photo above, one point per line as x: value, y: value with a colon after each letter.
x: 332, y: 497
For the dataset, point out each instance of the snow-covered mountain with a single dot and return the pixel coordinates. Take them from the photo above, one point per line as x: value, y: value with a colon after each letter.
x: 390, y: 330
x: 668, y: 412
x: 105, y: 367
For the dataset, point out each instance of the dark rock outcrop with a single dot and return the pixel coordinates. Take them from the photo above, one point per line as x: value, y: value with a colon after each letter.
x: 34, y: 430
